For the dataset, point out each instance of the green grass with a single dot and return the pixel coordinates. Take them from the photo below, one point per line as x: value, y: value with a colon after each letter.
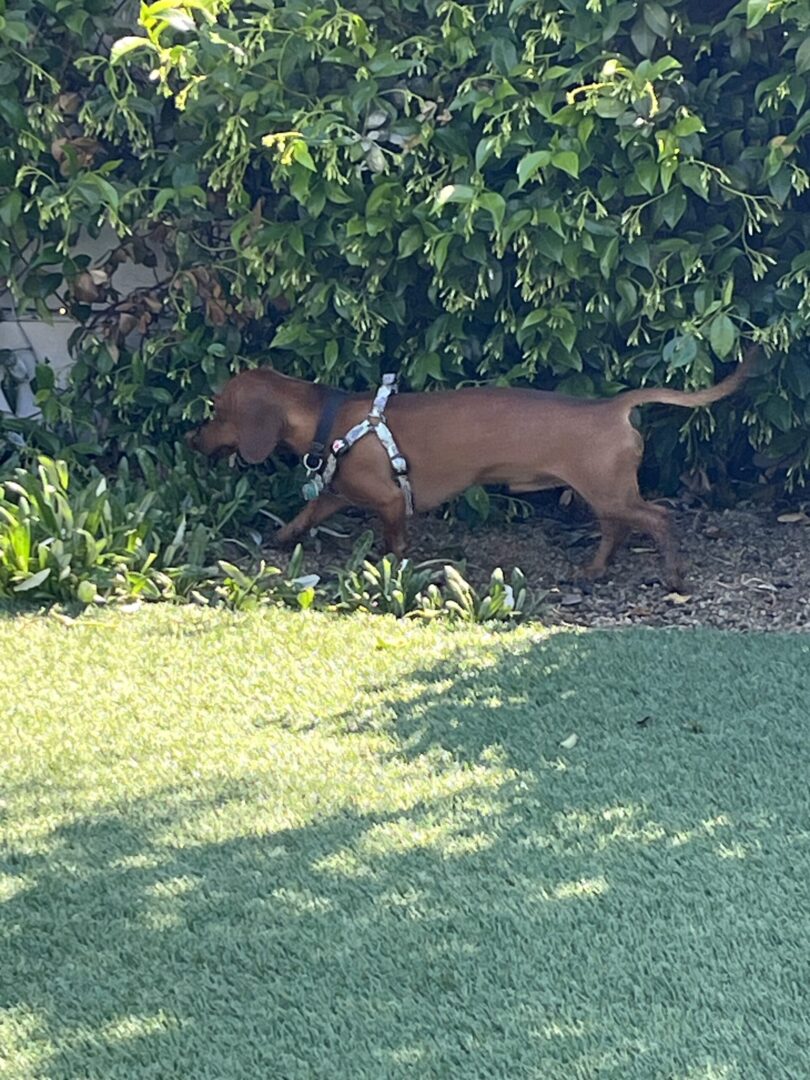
x: 284, y: 846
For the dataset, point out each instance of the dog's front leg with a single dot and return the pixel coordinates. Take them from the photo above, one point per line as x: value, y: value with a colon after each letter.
x: 313, y: 514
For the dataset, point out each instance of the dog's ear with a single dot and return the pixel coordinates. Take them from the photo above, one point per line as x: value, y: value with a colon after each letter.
x: 259, y: 430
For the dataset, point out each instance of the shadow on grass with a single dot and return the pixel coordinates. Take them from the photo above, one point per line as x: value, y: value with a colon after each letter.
x: 634, y: 907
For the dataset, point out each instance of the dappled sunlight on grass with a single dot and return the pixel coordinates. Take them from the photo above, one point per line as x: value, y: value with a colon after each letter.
x: 310, y: 856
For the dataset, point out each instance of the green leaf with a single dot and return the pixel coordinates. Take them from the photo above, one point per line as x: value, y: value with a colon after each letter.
x: 440, y: 251
x: 688, y: 125
x: 646, y: 172
x: 628, y: 292
x: 495, y: 204
x: 536, y: 316
x: 777, y: 411
x: 530, y: 165
x: 33, y: 581
x: 301, y: 154
x: 610, y: 107
x: 780, y: 185
x: 803, y: 56
x: 567, y: 333
x: 756, y: 12
x: 704, y: 295
x: 410, y: 241
x: 722, y: 336
x: 330, y: 354
x: 483, y: 152
x: 477, y: 498
x: 75, y: 20
x: 295, y: 237
x: 638, y: 253
x: 609, y: 257
x: 456, y: 193
x: 193, y: 193
x: 797, y: 379
x: 15, y: 31
x: 162, y: 199
x: 566, y: 160
x: 86, y: 592
x: 680, y: 351
x: 656, y: 19
x: 643, y: 37
x: 126, y: 45
x: 179, y: 20
x: 386, y: 66
x: 693, y: 177
x: 516, y: 221
x: 381, y: 193
x: 673, y: 206
x: 504, y: 55
x: 10, y: 208
x: 547, y: 215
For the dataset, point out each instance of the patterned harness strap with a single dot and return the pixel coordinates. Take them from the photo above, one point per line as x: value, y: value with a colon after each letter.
x: 375, y: 421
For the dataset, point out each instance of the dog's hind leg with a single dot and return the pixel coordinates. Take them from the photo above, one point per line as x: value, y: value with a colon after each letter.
x: 636, y: 515
x: 614, y: 533
x: 611, y: 489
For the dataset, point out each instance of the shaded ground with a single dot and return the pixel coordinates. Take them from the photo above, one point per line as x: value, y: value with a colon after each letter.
x: 744, y: 568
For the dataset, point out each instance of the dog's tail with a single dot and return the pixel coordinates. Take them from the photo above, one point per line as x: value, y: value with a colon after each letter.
x: 664, y: 396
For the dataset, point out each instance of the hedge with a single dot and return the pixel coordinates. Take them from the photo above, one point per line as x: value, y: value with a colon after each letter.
x: 582, y: 195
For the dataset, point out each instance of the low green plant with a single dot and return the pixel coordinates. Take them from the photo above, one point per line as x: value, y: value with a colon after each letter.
x: 242, y: 591
x: 477, y: 504
x: 427, y: 590
x: 389, y: 586
x: 65, y: 543
x: 502, y: 600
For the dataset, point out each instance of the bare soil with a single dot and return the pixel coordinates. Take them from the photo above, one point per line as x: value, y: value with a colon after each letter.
x: 745, y: 568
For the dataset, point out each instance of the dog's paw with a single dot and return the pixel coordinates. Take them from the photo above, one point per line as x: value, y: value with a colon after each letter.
x: 285, y: 536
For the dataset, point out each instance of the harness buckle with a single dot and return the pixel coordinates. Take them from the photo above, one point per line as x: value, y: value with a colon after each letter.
x: 312, y: 462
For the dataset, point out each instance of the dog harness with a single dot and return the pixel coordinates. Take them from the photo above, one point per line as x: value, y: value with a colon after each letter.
x: 320, y: 474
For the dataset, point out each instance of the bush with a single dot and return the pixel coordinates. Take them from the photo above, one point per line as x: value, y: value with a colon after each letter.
x: 568, y: 194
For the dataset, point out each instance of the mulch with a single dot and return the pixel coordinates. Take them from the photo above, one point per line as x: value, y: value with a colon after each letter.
x: 747, y: 568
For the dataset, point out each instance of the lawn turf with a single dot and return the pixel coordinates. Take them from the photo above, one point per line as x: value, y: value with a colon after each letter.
x: 301, y: 846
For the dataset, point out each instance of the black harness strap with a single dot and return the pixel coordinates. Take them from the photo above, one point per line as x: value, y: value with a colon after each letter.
x: 313, y: 459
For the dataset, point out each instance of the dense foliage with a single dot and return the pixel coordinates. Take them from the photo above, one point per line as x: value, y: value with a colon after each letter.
x: 557, y: 193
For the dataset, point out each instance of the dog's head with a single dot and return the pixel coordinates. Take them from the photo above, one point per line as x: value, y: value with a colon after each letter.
x: 246, y: 421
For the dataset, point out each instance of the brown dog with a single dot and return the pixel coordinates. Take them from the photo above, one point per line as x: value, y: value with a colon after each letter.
x: 526, y: 439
